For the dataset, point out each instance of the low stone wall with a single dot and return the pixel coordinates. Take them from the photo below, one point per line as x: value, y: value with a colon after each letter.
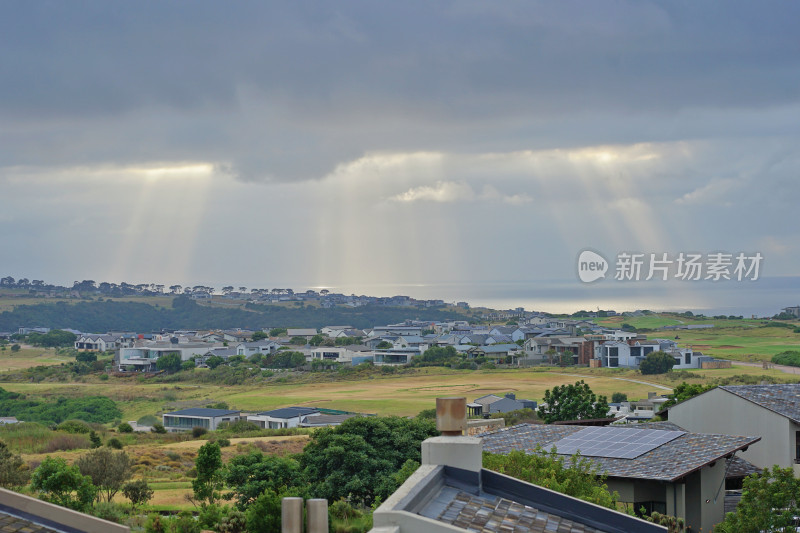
x: 715, y: 364
x: 478, y: 426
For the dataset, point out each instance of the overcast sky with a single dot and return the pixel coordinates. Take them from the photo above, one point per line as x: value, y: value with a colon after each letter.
x: 350, y: 144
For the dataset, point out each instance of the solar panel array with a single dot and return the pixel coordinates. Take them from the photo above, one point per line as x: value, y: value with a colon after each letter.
x: 612, y: 442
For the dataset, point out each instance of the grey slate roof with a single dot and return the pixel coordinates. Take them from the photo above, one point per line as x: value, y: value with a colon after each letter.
x: 12, y: 524
x: 783, y: 399
x: 490, y: 502
x: 289, y: 412
x: 668, y: 462
x: 492, y: 513
x: 203, y: 412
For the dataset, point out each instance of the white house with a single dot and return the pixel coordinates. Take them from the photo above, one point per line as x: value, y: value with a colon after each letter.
x: 251, y: 348
x: 286, y: 417
x: 144, y: 358
x: 97, y: 343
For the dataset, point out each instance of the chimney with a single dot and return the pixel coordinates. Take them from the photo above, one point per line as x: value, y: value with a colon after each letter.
x: 452, y: 448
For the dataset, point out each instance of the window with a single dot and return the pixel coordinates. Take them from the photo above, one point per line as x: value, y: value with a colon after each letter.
x: 688, y: 358
x: 797, y: 446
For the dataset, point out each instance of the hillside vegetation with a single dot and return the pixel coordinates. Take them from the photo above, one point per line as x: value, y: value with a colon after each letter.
x: 102, y: 316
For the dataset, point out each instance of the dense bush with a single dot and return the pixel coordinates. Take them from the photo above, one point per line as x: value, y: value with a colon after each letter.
x: 789, y: 358
x: 657, y: 363
x: 198, y: 431
x: 74, y: 426
x: 95, y: 409
x: 125, y: 428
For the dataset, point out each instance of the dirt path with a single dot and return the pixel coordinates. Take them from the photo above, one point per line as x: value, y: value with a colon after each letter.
x: 783, y: 368
x: 647, y: 383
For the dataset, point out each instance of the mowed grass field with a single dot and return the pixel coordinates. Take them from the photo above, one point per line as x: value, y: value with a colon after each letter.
x: 28, y: 357
x: 738, y: 340
x: 403, y: 395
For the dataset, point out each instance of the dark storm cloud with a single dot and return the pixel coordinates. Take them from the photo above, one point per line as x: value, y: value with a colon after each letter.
x: 289, y: 90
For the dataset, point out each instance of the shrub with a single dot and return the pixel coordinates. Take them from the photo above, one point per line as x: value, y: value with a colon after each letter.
x: 74, y: 426
x: 125, y: 428
x: 619, y: 397
x: 198, y: 431
x: 148, y: 420
x: 113, y: 512
x: 66, y: 442
x: 115, y: 443
x: 173, y: 456
x: 108, y: 470
x: 63, y: 484
x: 158, y: 428
x: 13, y: 470
x: 240, y: 426
x: 95, y: 439
x: 138, y: 492
x: 657, y: 363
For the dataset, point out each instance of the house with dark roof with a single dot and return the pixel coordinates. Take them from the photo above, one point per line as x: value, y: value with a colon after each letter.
x: 451, y: 492
x: 772, y: 411
x: 187, y: 419
x: 285, y: 417
x: 656, y: 466
x: 323, y: 420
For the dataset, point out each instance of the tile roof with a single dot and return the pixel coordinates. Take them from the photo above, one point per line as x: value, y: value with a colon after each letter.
x: 783, y: 399
x: 12, y: 524
x: 668, y: 462
x: 490, y: 514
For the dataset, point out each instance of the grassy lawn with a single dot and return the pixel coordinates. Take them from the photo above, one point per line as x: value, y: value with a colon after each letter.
x: 28, y: 357
x: 739, y: 340
x: 385, y: 395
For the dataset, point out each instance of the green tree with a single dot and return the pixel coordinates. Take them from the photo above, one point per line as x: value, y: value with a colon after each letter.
x: 277, y: 332
x: 565, y: 358
x: 188, y: 366
x: 316, y: 340
x: 619, y: 397
x: 62, y: 484
x: 577, y: 476
x: 170, y: 362
x: 264, y: 514
x: 260, y: 335
x: 108, y: 470
x: 572, y: 402
x: 209, y: 481
x: 158, y: 428
x: 95, y: 439
x: 15, y: 348
x: 356, y: 460
x: 657, y: 363
x: 214, y: 361
x: 298, y: 341
x: 138, y: 492
x: 124, y: 427
x: 770, y: 502
x: 251, y: 474
x: 86, y: 357
x: 13, y: 470
x: 384, y: 345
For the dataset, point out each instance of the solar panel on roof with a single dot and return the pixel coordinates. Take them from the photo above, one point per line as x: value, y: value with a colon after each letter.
x: 616, y: 443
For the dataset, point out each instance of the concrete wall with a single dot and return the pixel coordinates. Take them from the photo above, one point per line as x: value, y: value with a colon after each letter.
x: 59, y: 515
x: 718, y: 411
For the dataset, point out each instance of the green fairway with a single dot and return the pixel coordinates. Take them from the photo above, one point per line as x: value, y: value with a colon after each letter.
x: 385, y: 395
